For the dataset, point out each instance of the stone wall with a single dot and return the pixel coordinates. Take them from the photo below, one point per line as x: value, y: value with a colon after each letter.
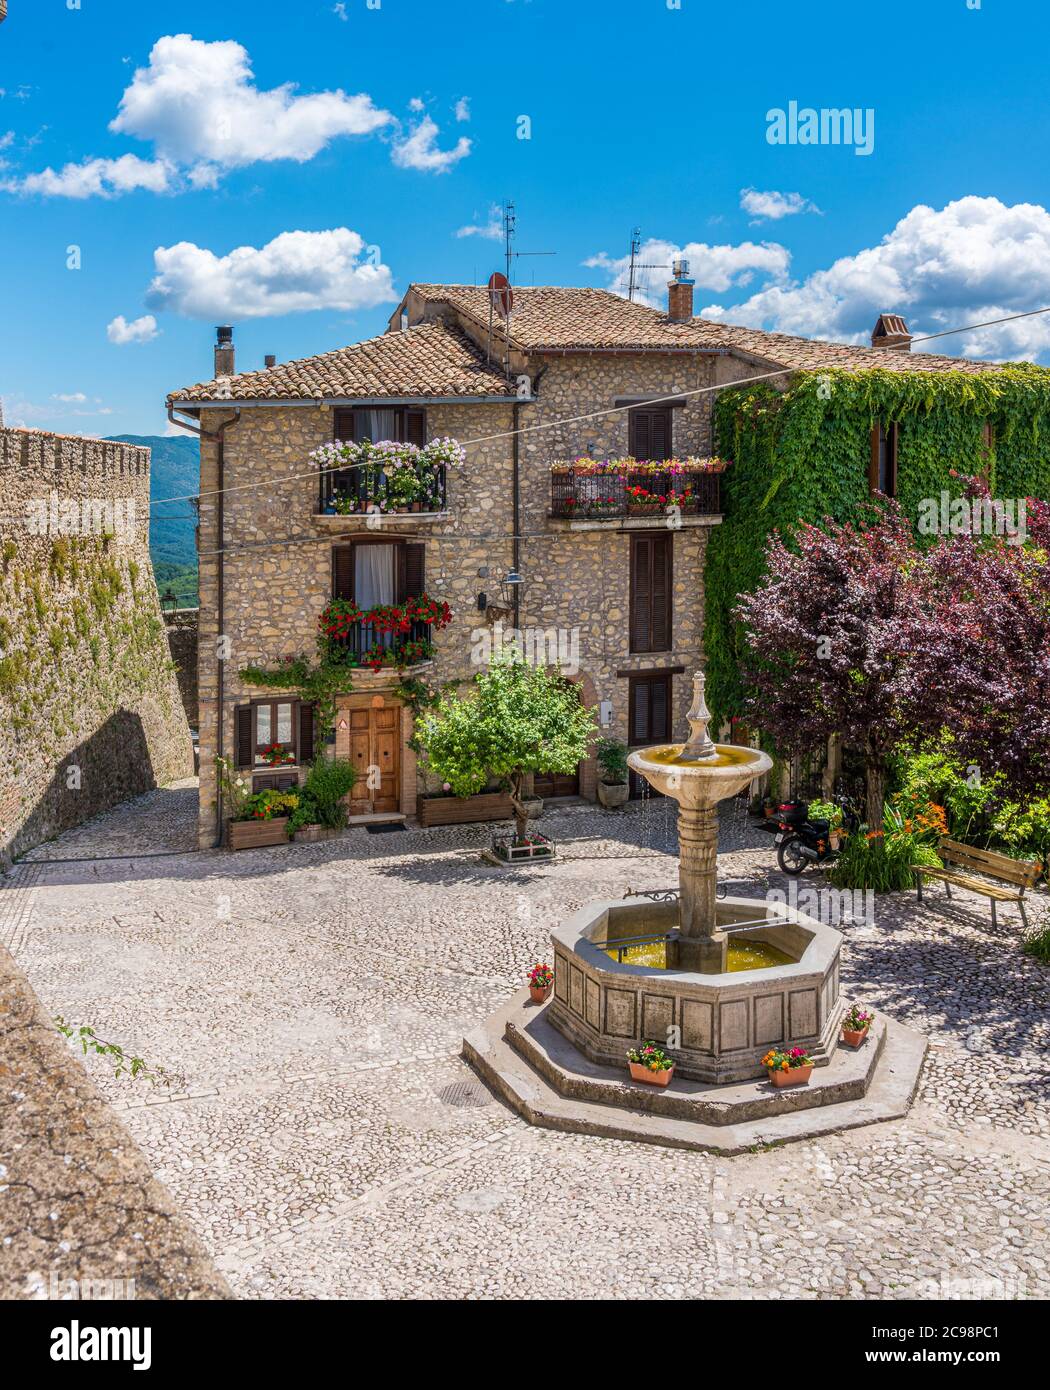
x: 89, y: 707
x: 277, y: 572
x: 182, y: 644
x: 84, y: 1216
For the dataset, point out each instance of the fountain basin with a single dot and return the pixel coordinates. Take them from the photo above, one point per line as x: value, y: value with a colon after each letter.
x: 726, y: 1022
x: 696, y: 783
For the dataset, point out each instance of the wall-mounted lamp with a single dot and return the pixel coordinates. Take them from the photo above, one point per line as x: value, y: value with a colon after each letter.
x: 170, y: 601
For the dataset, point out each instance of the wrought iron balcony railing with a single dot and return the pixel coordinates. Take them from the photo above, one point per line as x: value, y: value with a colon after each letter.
x: 587, y: 495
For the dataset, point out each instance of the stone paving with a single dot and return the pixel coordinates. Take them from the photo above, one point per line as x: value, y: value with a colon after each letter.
x: 325, y: 1139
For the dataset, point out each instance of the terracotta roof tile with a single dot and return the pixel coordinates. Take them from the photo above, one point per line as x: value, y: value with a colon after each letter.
x: 431, y: 359
x: 558, y: 318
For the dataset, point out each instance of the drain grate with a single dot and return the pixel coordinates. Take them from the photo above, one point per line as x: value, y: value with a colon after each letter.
x: 388, y: 828
x: 464, y: 1095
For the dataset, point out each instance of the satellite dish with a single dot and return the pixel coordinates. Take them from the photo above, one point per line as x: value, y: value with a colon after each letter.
x: 500, y: 294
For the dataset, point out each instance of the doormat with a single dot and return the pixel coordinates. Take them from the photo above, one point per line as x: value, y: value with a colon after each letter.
x: 387, y: 828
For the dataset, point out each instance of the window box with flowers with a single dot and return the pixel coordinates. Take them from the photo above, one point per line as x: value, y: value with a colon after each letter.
x: 597, y: 489
x: 255, y: 819
x: 388, y: 637
x: 387, y: 478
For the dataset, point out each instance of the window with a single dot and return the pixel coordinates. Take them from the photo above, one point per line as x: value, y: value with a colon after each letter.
x: 651, y: 592
x: 882, y: 469
x: 404, y: 423
x: 266, y: 722
x: 649, y: 430
x: 648, y: 717
x: 375, y: 572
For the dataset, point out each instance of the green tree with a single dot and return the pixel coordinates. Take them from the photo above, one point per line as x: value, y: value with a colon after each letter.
x: 517, y: 720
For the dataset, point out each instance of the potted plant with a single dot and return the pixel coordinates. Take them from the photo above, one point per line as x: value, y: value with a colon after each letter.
x: 613, y: 787
x: 791, y: 1068
x: 541, y: 982
x: 650, y: 1064
x: 321, y: 812
x: 855, y: 1025
x: 276, y: 753
x: 262, y: 820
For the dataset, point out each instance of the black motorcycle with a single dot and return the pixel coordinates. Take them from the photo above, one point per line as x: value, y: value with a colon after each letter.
x: 802, y: 841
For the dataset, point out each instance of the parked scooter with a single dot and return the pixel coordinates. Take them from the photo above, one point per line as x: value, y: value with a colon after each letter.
x: 802, y: 841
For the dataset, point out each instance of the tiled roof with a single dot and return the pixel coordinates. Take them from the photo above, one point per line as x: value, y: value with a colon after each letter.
x: 431, y: 359
x: 557, y: 318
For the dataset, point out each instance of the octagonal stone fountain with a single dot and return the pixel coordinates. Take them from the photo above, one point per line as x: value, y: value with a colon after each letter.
x: 716, y: 980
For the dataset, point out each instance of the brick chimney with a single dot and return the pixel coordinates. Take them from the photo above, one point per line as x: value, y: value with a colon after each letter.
x: 680, y: 292
x: 270, y: 360
x: 224, y: 356
x: 891, y: 331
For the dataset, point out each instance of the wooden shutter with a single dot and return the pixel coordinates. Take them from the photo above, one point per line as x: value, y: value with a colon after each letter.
x: 651, y: 593
x: 659, y: 708
x: 245, y: 735
x: 639, y: 434
x: 650, y: 433
x: 873, y: 462
x: 415, y: 427
x: 344, y: 424
x: 342, y: 571
x: 891, y: 460
x: 639, y: 711
x: 411, y: 570
x: 306, y: 734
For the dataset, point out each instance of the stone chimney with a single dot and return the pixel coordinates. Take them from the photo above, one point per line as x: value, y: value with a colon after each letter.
x: 270, y: 360
x: 3, y: 10
x: 891, y: 331
x: 224, y: 356
x: 680, y: 292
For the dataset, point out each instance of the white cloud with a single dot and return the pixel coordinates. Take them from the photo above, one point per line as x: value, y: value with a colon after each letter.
x: 340, y: 11
x: 774, y: 205
x: 7, y: 140
x: 463, y: 109
x: 102, y: 178
x: 416, y: 104
x: 714, y: 267
x: 973, y: 260
x: 70, y: 398
x: 492, y: 228
x: 295, y: 272
x: 418, y: 150
x: 141, y: 330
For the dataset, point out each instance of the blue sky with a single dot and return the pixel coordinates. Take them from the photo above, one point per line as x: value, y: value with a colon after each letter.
x: 392, y: 129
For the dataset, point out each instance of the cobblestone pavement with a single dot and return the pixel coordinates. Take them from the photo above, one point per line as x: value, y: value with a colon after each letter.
x: 326, y: 1140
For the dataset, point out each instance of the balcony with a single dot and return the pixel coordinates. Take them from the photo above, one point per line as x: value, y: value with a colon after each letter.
x: 587, y: 495
x: 369, y: 486
x: 392, y: 637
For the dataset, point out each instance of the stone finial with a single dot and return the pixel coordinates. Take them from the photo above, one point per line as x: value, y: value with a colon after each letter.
x: 699, y: 716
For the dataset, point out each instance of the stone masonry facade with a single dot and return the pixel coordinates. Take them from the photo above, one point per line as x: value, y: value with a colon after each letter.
x: 89, y: 706
x: 278, y: 562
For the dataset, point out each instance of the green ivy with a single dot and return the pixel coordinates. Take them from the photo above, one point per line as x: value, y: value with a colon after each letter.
x: 802, y: 455
x: 317, y: 685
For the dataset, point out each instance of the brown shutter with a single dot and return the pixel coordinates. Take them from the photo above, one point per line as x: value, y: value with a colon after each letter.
x: 638, y: 443
x: 306, y: 733
x: 661, y: 589
x: 891, y: 460
x: 344, y: 424
x: 659, y: 700
x: 411, y: 570
x: 245, y: 735
x: 415, y: 427
x: 660, y: 434
x: 641, y: 593
x: 873, y: 461
x: 342, y: 571
x: 639, y: 712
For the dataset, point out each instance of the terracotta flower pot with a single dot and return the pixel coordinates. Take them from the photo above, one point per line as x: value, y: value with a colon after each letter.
x: 540, y: 993
x: 795, y: 1076
x: 855, y: 1036
x: 651, y: 1078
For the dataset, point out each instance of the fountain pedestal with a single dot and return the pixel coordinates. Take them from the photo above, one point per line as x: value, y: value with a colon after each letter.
x: 702, y: 946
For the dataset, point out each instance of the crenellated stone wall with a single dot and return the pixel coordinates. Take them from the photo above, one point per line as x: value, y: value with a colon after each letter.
x: 89, y: 706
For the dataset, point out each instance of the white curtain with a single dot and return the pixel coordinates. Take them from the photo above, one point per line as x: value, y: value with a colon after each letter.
x: 374, y: 425
x: 374, y: 581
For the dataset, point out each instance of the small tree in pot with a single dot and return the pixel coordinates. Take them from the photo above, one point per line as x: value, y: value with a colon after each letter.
x: 519, y: 719
x: 613, y: 787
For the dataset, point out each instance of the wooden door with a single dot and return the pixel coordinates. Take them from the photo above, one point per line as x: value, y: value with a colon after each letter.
x: 648, y: 718
x: 375, y: 750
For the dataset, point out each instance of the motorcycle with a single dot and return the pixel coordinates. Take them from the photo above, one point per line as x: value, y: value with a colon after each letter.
x: 802, y: 841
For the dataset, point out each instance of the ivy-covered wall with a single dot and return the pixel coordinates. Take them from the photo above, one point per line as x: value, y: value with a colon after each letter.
x: 803, y: 453
x: 89, y: 706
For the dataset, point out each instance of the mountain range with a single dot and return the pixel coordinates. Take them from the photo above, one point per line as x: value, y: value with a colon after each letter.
x: 174, y: 472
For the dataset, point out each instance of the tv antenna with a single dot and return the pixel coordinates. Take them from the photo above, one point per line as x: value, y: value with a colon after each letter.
x: 636, y: 246
x: 509, y: 232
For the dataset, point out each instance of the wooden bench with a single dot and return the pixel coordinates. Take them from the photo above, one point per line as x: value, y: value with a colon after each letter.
x: 1022, y: 874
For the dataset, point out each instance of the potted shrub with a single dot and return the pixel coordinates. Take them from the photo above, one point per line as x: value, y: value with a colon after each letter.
x: 791, y: 1068
x: 855, y: 1025
x: 518, y: 719
x: 613, y: 787
x: 321, y: 812
x: 541, y: 982
x: 650, y: 1064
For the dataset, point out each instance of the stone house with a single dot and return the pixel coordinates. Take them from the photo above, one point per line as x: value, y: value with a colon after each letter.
x: 572, y: 372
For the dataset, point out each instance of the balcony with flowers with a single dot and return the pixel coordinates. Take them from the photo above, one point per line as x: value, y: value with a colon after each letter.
x: 366, y: 486
x: 392, y: 636
x: 588, y: 494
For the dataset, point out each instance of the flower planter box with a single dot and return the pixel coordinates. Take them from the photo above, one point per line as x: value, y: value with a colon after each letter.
x: 310, y: 834
x: 253, y: 834
x: 464, y: 810
x: 651, y: 1078
x: 540, y: 996
x: 854, y: 1037
x: 795, y: 1076
x: 612, y: 794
